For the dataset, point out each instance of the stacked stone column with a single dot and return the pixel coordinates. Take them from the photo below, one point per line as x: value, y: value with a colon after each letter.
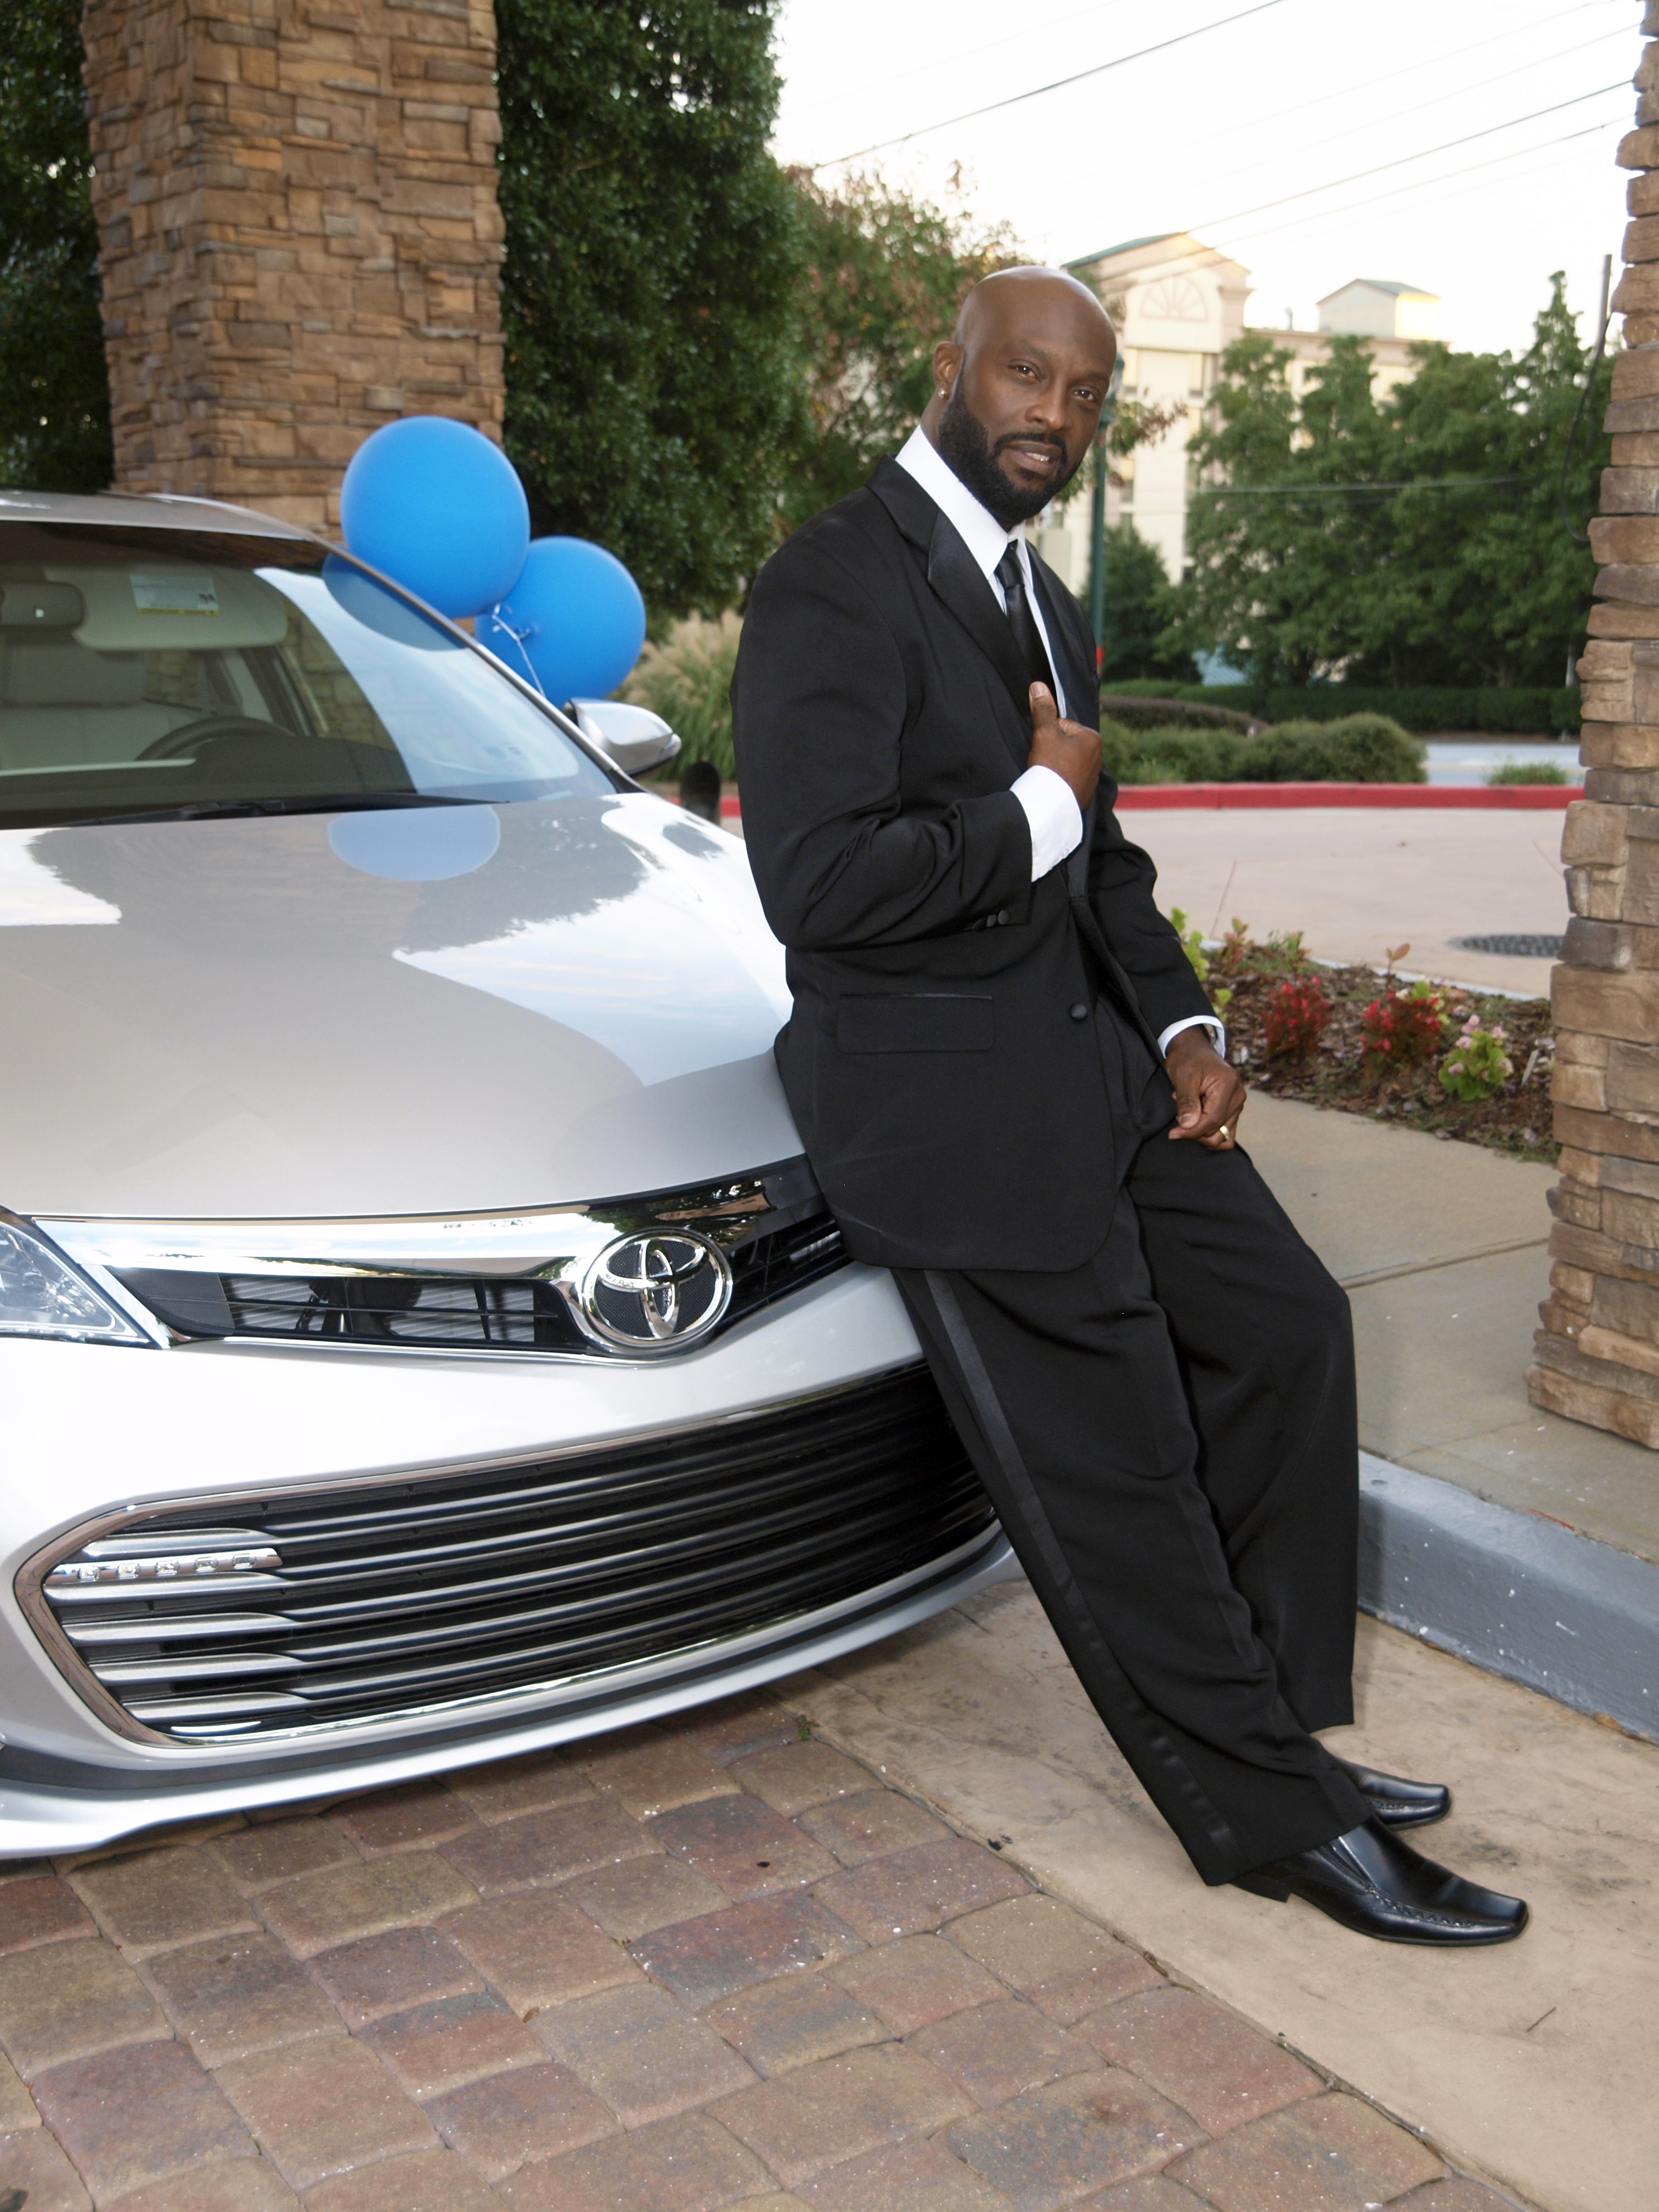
x: 300, y: 235
x: 1597, y: 1356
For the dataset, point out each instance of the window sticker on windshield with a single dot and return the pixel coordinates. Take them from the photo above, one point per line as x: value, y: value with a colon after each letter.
x: 170, y: 592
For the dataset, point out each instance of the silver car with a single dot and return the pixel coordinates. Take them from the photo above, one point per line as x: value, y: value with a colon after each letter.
x: 421, y: 1337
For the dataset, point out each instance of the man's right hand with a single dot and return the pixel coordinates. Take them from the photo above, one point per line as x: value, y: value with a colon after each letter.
x: 1071, y: 748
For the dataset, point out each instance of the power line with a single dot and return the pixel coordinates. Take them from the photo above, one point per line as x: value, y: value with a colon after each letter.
x: 1462, y: 92
x: 1419, y: 184
x: 931, y: 68
x: 1427, y: 152
x: 1069, y: 184
x: 1204, y: 254
x: 1014, y: 98
x: 1369, y: 84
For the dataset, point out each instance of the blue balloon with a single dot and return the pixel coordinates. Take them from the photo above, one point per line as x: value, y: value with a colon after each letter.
x: 436, y: 506
x: 575, y: 616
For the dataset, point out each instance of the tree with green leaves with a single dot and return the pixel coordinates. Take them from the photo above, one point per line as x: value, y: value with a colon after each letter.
x: 1492, y: 588
x: 650, y: 284
x: 1138, y: 605
x: 884, y: 276
x: 1416, y: 539
x: 54, y: 390
x: 1283, y: 533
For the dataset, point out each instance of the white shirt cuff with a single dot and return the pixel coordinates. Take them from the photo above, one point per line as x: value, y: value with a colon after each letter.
x: 1167, y: 1037
x: 1055, y: 818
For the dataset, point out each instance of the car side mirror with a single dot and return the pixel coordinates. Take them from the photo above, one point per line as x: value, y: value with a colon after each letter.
x: 633, y: 736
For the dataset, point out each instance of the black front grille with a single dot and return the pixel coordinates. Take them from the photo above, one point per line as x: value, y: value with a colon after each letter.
x: 468, y: 1314
x: 354, y: 1606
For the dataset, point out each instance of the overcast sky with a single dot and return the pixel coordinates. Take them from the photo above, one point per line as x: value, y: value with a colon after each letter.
x: 1254, y: 135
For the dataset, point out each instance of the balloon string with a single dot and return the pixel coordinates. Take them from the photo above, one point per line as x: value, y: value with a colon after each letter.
x: 517, y: 637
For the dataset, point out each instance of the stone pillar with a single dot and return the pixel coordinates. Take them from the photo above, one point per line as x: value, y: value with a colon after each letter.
x: 300, y: 235
x: 1597, y: 1354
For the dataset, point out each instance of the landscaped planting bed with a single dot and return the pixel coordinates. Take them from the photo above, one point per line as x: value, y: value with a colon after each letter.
x: 1365, y: 1042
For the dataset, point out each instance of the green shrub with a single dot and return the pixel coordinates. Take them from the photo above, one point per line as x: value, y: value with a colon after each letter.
x: 687, y: 679
x: 1526, y: 772
x: 1506, y: 710
x: 1363, y: 749
x: 1137, y: 711
x: 1359, y: 748
x: 1512, y: 710
x: 1170, y: 756
x: 1477, y: 1066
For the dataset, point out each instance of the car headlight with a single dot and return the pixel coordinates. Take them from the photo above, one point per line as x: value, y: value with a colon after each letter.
x: 42, y: 1295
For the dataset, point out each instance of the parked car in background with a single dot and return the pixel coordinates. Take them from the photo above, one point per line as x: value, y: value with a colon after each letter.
x: 421, y: 1337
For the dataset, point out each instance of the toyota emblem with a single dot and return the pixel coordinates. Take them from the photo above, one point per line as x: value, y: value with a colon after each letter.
x: 654, y: 1293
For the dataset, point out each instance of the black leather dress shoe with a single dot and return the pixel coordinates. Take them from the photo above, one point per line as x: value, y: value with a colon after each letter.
x: 1373, y: 1882
x: 1398, y: 1803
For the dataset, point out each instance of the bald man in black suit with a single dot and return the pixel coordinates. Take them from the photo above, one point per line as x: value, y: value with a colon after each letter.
x: 1016, y: 1096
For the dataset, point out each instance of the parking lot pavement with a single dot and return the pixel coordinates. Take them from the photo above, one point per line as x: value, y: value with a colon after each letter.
x: 1356, y: 880
x: 710, y: 1963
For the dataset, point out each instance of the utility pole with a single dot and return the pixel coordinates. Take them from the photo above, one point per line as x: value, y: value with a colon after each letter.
x: 1098, y: 518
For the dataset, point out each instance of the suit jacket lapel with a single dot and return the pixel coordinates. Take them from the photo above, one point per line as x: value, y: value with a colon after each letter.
x: 956, y: 578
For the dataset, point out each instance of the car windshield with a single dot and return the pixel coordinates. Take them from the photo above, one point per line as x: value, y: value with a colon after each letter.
x: 147, y: 672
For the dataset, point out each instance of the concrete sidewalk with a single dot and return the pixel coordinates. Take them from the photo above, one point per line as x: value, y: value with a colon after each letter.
x: 1524, y: 1542
x: 1442, y: 1249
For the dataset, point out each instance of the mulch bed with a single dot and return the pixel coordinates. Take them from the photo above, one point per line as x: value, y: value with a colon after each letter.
x: 1338, y: 1073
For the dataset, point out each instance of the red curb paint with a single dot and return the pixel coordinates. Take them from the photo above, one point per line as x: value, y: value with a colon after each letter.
x: 1549, y: 796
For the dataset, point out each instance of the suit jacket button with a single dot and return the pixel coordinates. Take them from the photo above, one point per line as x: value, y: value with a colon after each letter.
x: 1002, y: 917
x: 1079, y: 1012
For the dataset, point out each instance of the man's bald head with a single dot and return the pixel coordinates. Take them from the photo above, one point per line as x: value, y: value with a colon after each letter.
x: 1026, y: 291
x: 1019, y: 387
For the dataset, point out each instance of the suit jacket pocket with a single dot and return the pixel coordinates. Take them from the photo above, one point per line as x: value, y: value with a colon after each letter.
x: 914, y: 1021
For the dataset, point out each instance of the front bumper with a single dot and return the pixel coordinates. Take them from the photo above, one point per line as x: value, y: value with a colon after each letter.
x: 96, y: 1431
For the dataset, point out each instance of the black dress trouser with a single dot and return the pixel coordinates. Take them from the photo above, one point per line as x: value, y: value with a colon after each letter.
x: 1168, y: 1434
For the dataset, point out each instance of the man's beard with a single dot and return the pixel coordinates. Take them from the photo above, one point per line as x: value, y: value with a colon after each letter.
x: 962, y: 442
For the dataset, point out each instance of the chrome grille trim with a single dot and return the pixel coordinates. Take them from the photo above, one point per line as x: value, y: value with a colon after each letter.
x: 512, y: 1285
x: 481, y: 1587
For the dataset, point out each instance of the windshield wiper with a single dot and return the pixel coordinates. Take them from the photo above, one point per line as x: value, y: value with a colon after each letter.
x: 214, y: 810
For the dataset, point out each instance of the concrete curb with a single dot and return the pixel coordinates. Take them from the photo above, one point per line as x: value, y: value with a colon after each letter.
x: 1514, y: 1592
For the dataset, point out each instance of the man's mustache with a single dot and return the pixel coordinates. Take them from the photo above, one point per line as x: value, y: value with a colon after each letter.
x: 1031, y: 438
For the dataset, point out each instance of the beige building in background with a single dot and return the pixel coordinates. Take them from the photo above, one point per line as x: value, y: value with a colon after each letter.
x: 1178, y: 305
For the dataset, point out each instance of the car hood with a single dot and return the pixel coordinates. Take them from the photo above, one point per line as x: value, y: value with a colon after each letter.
x: 433, y: 1010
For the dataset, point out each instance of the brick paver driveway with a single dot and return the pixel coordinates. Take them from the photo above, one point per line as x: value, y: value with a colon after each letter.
x: 700, y: 1965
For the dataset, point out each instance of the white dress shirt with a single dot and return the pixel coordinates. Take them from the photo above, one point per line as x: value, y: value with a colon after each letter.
x: 1050, y: 803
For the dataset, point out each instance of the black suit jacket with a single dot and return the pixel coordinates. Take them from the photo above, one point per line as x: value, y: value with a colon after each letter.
x: 947, y: 1062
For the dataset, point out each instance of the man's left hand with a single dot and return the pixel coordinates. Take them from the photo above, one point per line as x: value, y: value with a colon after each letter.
x: 1209, y: 1095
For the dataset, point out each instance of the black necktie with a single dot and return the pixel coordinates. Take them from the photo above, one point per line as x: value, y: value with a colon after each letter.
x: 1028, y: 638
